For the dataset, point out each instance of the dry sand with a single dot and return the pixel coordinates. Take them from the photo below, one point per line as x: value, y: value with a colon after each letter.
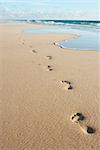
x: 35, y: 108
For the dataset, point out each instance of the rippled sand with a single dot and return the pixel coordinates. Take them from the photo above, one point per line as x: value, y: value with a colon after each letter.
x: 35, y: 107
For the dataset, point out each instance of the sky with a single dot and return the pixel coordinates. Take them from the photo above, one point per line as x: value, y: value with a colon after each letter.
x: 50, y: 9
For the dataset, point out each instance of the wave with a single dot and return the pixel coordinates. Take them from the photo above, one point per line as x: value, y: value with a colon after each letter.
x: 90, y: 25
x: 65, y: 22
x: 73, y: 24
x: 61, y: 22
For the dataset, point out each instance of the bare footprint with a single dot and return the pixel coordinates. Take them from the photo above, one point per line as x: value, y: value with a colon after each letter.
x: 67, y: 84
x: 86, y: 129
x: 48, y: 68
x: 78, y: 118
x: 48, y: 57
x: 55, y: 43
x: 34, y: 51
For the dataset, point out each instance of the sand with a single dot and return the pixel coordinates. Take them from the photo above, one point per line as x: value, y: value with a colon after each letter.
x: 35, y: 108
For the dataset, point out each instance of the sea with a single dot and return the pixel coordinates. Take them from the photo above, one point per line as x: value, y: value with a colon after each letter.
x: 88, y: 32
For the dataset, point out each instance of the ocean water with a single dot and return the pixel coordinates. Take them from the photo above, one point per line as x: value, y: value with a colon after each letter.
x: 88, y: 31
x: 72, y: 24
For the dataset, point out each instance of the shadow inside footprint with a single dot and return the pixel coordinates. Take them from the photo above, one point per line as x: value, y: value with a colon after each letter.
x: 67, y: 84
x: 49, y: 68
x: 77, y: 117
x: 49, y: 57
x: 81, y: 117
x: 34, y: 51
x: 70, y: 87
x: 90, y: 130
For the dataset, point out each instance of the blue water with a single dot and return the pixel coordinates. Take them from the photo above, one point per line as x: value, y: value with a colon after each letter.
x: 73, y: 24
x: 89, y: 32
x: 86, y: 41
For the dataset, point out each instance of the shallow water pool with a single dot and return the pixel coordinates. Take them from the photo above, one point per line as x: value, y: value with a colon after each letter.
x: 87, y: 40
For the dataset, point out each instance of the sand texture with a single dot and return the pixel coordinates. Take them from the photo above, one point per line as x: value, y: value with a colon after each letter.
x: 35, y: 107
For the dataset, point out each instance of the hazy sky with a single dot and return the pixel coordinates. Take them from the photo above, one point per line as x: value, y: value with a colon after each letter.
x: 50, y: 9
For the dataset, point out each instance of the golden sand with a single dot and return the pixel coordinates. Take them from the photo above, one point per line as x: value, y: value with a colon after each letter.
x: 35, y: 107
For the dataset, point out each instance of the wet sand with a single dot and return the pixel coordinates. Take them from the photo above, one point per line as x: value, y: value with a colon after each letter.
x: 35, y: 108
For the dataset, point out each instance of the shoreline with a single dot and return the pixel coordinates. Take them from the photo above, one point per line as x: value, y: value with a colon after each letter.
x: 57, y: 43
x: 36, y: 107
x: 83, y: 38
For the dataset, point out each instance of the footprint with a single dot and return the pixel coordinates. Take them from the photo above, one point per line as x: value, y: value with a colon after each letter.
x: 86, y: 129
x: 55, y: 43
x: 49, y: 68
x: 34, y: 51
x: 48, y: 57
x: 78, y: 118
x: 66, y: 84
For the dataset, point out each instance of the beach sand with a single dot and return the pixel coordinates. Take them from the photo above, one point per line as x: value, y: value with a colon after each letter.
x: 35, y: 108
